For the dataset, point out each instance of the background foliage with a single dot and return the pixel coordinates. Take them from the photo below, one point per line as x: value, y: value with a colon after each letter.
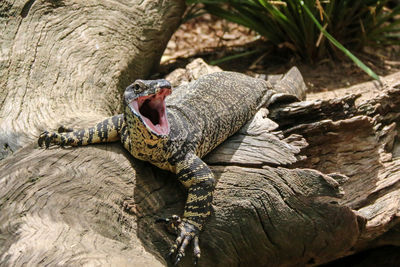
x: 309, y: 27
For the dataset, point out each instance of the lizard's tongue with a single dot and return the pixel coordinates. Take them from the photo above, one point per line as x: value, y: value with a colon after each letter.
x: 152, y: 111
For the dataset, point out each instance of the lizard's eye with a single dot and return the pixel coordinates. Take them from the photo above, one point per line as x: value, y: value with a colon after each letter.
x: 137, y: 88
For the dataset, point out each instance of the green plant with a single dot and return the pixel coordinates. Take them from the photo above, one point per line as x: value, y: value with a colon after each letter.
x: 314, y: 29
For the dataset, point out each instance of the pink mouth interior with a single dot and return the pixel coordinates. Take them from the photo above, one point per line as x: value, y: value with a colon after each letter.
x: 151, y: 108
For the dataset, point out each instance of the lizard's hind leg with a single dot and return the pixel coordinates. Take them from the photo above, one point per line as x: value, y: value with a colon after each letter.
x: 105, y: 131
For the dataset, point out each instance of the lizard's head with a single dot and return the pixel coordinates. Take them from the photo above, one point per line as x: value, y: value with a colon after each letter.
x: 146, y: 100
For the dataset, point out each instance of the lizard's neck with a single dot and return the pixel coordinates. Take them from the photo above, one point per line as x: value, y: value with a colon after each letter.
x: 145, y: 145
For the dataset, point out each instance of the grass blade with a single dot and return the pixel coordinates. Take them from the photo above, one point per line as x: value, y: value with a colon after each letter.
x: 340, y: 46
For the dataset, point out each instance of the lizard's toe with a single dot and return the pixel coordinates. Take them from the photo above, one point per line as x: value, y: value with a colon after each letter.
x: 42, y: 138
x: 183, y: 244
x: 46, y: 138
x: 196, y: 250
x: 171, y: 223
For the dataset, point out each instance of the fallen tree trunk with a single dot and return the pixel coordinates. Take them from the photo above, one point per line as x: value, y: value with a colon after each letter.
x: 327, y: 187
x: 361, y: 142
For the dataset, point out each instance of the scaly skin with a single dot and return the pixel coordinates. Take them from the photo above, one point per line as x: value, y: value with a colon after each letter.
x: 205, y: 114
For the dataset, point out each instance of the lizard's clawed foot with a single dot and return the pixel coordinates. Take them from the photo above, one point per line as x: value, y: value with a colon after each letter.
x: 47, y: 138
x: 186, y: 232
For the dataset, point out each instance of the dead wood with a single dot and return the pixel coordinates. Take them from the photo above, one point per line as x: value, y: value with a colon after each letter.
x: 361, y: 142
x: 304, y: 183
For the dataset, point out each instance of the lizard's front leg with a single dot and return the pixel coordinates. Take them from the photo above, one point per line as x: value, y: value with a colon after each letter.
x: 105, y: 131
x: 197, y: 177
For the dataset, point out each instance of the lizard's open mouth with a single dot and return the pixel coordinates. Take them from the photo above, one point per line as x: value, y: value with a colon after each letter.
x: 151, y: 109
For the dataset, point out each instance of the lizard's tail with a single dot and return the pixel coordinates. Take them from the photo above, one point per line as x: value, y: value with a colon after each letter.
x: 289, y: 87
x: 291, y: 83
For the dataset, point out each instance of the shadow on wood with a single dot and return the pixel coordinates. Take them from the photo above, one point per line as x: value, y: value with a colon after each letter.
x: 97, y: 205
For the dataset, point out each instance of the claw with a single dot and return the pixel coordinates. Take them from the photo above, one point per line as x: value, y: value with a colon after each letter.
x: 178, y: 258
x: 162, y: 220
x: 196, y: 250
x: 42, y: 137
x: 47, y: 142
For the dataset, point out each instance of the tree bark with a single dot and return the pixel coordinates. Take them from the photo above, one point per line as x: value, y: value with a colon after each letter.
x: 312, y: 182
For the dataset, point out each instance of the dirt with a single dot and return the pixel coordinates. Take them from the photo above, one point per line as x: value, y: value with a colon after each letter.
x: 214, y: 39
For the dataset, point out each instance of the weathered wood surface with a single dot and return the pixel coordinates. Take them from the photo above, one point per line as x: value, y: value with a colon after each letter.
x: 366, y: 90
x: 72, y: 201
x: 361, y: 142
x: 289, y: 205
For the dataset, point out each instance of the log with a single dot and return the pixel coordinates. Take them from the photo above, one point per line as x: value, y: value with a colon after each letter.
x: 304, y: 183
x: 363, y: 145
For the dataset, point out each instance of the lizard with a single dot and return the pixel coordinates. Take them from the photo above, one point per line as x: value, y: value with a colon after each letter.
x: 175, y: 132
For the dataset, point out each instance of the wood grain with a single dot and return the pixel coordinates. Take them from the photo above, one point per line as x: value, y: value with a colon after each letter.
x: 322, y: 185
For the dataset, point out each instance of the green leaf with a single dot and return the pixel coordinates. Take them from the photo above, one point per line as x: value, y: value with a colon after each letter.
x: 340, y: 46
x: 350, y: 21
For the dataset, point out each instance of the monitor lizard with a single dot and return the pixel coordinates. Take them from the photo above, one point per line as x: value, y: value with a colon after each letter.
x: 174, y: 133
